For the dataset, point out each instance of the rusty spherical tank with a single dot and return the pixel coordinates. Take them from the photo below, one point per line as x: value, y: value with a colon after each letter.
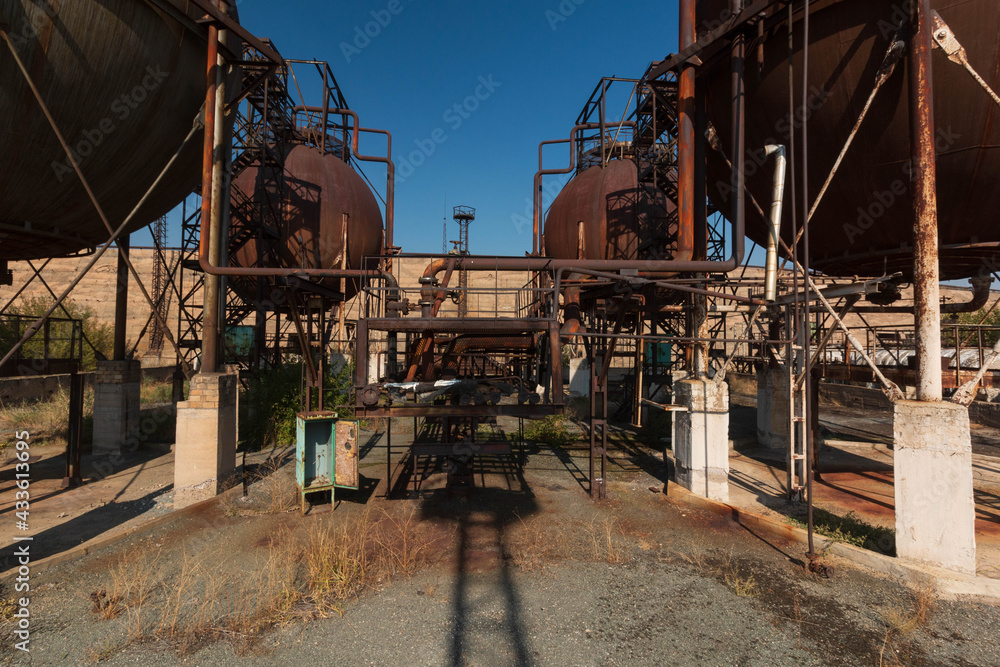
x: 124, y: 81
x: 606, y: 214
x: 322, y: 198
x: 864, y: 225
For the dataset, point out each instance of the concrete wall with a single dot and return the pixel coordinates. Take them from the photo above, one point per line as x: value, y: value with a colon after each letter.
x: 21, y: 389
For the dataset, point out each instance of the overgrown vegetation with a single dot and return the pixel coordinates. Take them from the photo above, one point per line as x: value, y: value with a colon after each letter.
x: 549, y: 430
x: 307, y: 576
x: 100, y: 334
x: 47, y: 420
x: 851, y: 529
x: 269, y: 406
x: 967, y: 333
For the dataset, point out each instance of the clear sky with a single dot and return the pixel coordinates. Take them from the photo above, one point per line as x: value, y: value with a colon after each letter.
x: 532, y: 63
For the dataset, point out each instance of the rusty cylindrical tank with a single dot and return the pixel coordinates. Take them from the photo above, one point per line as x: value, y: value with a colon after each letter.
x: 864, y: 224
x: 606, y: 214
x: 124, y: 81
x: 321, y: 196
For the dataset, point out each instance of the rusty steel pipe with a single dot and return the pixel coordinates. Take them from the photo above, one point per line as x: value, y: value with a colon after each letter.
x: 686, y: 138
x: 210, y: 319
x: 926, y: 272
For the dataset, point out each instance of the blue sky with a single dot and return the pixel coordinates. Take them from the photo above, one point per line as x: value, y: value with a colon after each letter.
x: 533, y: 64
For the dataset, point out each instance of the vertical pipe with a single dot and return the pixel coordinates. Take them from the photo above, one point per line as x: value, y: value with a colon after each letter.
x: 604, y: 149
x: 686, y: 133
x: 210, y: 304
x: 926, y: 277
x: 121, y: 299
x: 700, y: 178
x: 777, y: 201
x: 806, y: 320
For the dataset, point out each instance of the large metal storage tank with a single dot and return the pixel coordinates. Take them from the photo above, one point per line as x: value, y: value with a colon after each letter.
x: 620, y: 218
x: 124, y: 80
x: 865, y: 223
x: 322, y: 197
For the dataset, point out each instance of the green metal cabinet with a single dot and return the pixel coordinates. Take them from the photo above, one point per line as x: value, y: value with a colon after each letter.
x: 326, y: 453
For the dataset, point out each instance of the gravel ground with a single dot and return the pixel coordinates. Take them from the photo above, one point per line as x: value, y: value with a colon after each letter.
x: 526, y: 571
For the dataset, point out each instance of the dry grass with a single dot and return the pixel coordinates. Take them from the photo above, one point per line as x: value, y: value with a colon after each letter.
x: 532, y: 544
x: 744, y: 587
x: 46, y: 420
x: 206, y: 598
x: 901, y: 622
x: 608, y: 540
x: 272, y: 490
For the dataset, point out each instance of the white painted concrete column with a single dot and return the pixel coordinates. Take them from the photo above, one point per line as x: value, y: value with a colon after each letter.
x: 772, y: 408
x: 701, y: 438
x: 205, y: 453
x: 935, y: 511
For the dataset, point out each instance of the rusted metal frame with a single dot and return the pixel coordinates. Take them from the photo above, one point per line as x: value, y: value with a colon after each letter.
x: 966, y: 393
x: 610, y: 352
x: 687, y: 168
x: 697, y: 52
x: 926, y: 272
x: 946, y: 39
x: 304, y: 342
x: 637, y: 280
x: 556, y: 396
x: 452, y: 325
x: 821, y: 345
x: 720, y: 375
x: 36, y: 274
x: 221, y: 18
x: 461, y: 411
x: 100, y: 211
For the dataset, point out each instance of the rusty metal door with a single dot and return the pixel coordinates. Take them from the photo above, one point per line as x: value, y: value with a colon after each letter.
x: 346, y: 452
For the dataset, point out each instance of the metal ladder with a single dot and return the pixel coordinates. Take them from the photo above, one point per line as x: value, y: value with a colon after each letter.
x: 796, y: 356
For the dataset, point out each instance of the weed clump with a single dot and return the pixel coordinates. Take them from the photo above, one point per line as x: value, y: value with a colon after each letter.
x: 551, y: 430
x: 851, y: 529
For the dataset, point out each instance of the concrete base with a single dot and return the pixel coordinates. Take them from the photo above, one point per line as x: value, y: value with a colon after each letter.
x: 772, y: 408
x: 205, y: 453
x: 579, y: 377
x: 701, y: 438
x: 116, y: 404
x: 935, y: 514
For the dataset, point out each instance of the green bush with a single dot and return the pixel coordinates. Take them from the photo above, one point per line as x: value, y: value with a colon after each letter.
x: 852, y: 530
x: 273, y: 399
x: 550, y: 430
x: 100, y: 334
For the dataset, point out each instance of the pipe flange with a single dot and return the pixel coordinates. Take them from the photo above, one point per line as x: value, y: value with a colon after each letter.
x: 370, y: 395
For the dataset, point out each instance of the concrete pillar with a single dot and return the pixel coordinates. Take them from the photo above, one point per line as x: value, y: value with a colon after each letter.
x: 205, y: 453
x: 772, y: 408
x: 935, y: 513
x: 579, y: 377
x: 701, y: 438
x: 116, y: 404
